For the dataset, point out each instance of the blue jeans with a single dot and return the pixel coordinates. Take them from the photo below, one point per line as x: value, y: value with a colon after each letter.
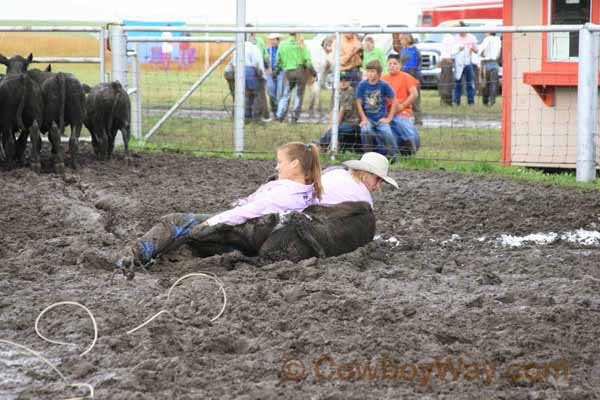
x: 275, y: 90
x: 295, y: 80
x: 373, y: 134
x: 347, y: 136
x: 284, y: 101
x: 406, y: 134
x: 468, y: 74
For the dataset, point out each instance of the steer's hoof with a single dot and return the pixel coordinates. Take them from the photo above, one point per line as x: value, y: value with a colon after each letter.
x: 36, y: 167
x: 59, y: 168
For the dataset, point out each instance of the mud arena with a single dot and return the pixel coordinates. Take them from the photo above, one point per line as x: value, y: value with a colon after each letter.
x: 439, y: 306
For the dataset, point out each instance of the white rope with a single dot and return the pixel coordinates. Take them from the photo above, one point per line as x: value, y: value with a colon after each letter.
x: 201, y: 274
x: 72, y: 303
x: 86, y: 385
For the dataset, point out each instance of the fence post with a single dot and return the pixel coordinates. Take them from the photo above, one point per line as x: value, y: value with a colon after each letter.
x: 102, y: 39
x: 336, y: 98
x: 587, y: 105
x: 118, y: 46
x: 136, y: 105
x: 240, y: 80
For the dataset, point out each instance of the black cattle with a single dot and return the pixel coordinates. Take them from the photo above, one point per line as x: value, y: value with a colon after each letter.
x: 12, y: 102
x: 33, y: 111
x: 107, y: 109
x: 33, y: 115
x: 318, y: 231
x: 64, y: 104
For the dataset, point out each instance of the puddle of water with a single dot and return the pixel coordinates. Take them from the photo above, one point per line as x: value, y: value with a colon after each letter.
x: 391, y: 240
x: 581, y: 236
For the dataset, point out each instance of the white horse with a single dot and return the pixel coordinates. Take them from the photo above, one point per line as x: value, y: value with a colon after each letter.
x: 319, y: 49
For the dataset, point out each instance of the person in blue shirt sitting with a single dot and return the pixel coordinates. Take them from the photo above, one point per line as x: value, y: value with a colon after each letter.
x: 372, y: 95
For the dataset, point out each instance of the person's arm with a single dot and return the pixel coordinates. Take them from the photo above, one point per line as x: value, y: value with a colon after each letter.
x: 340, y: 116
x: 278, y: 64
x: 389, y: 94
x: 272, y: 201
x: 482, y: 48
x: 345, y: 58
x: 473, y: 44
x: 391, y: 112
x: 359, y: 108
x: 361, y: 113
x: 404, y: 56
x: 305, y: 59
x: 258, y: 61
x: 413, y: 93
x: 457, y: 47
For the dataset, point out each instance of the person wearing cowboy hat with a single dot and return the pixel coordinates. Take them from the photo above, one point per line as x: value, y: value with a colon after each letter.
x: 356, y: 183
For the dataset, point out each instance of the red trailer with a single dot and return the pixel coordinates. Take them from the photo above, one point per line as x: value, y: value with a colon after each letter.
x: 433, y: 16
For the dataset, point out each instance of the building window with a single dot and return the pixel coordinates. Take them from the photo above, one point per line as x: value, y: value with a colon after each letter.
x: 564, y: 46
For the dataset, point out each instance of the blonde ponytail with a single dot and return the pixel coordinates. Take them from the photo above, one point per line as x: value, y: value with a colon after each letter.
x: 308, y: 155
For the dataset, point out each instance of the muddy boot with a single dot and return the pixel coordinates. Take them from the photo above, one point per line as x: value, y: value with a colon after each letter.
x: 135, y: 257
x: 126, y: 261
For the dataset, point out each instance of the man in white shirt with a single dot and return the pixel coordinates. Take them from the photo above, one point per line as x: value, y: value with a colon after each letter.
x: 167, y: 50
x: 255, y: 69
x: 465, y: 44
x: 490, y: 50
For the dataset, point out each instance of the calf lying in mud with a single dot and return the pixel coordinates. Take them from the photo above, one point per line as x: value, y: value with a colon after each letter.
x: 318, y: 231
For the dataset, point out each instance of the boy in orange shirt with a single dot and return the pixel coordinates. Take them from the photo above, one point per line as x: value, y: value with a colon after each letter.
x: 406, y: 89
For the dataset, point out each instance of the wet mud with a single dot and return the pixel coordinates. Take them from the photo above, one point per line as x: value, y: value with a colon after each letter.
x: 434, y: 308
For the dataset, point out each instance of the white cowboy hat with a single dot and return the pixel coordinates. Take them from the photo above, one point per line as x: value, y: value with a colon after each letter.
x: 373, y: 163
x: 274, y: 35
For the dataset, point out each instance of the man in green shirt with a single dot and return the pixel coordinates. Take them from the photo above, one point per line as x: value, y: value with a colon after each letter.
x: 370, y: 52
x: 293, y: 58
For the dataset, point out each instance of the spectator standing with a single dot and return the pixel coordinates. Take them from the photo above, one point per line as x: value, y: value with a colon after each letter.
x: 490, y: 51
x: 348, y: 119
x: 167, y: 50
x: 184, y: 54
x: 371, y: 96
x: 465, y: 45
x: 274, y: 82
x: 292, y: 58
x: 370, y: 53
x: 405, y: 87
x: 410, y: 58
x: 350, y: 56
x: 396, y: 44
x: 261, y: 94
x: 254, y: 68
x: 446, y: 83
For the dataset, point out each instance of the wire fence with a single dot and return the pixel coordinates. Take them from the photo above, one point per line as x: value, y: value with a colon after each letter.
x: 531, y: 120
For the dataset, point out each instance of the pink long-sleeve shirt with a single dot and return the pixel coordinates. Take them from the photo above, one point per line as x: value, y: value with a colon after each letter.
x: 273, y: 197
x: 340, y: 186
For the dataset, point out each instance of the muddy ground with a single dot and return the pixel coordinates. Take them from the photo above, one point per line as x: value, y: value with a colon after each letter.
x: 434, y: 308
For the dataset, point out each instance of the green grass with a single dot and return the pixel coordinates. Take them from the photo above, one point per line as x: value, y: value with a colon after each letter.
x: 217, y: 135
x: 563, y: 179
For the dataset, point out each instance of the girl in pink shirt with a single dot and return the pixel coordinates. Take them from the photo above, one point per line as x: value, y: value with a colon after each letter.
x: 297, y: 187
